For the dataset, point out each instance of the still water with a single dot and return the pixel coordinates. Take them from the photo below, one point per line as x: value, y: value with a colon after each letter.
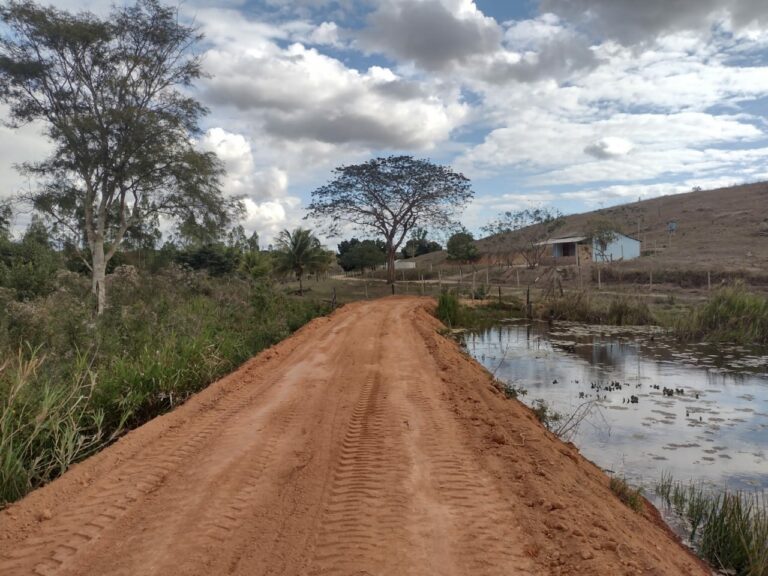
x: 710, y: 425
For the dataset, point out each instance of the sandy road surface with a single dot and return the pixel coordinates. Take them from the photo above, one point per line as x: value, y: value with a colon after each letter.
x: 364, y: 445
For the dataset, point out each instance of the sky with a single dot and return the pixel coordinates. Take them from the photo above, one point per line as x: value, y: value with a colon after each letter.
x: 571, y: 104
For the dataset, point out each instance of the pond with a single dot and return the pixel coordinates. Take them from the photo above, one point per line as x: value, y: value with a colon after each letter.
x: 699, y: 411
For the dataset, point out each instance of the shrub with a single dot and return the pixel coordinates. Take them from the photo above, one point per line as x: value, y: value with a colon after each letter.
x: 448, y: 309
x: 731, y: 314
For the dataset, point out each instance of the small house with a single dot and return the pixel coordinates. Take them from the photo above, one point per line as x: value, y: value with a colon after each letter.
x: 582, y: 249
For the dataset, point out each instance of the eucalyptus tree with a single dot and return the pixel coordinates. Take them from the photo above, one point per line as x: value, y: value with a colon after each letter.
x: 389, y: 197
x: 110, y: 93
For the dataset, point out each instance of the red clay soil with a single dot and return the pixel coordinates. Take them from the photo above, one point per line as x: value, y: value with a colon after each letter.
x: 366, y: 444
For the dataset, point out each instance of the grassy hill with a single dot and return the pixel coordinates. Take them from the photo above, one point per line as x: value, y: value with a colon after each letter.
x: 722, y: 231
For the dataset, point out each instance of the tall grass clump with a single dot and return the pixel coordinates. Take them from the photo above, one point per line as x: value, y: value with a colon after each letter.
x: 585, y: 307
x: 44, y: 426
x: 448, y: 308
x: 73, y: 382
x: 732, y: 314
x: 729, y: 529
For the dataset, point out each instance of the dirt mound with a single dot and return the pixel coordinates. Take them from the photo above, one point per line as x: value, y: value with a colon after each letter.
x: 364, y: 444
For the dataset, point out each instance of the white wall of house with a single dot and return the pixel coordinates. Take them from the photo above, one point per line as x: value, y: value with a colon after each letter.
x: 621, y: 248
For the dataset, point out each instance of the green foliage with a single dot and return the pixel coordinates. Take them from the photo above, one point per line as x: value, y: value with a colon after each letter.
x: 256, y: 265
x: 419, y: 244
x: 111, y: 93
x: 729, y: 529
x: 79, y: 382
x: 298, y: 252
x: 6, y: 216
x: 632, y: 497
x: 731, y: 314
x: 45, y: 426
x: 217, y: 259
x: 461, y: 247
x: 448, y: 309
x: 361, y: 255
x: 28, y: 267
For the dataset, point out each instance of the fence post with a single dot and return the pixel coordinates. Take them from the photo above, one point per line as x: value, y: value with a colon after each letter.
x: 599, y: 279
x: 709, y: 281
x: 333, y: 299
x: 517, y: 274
x: 651, y: 282
x: 393, y: 288
x: 528, y: 302
x: 499, y: 293
x: 366, y: 290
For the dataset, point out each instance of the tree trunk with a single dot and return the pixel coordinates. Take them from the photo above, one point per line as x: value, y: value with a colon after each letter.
x: 390, y: 265
x: 98, y: 276
x: 301, y: 286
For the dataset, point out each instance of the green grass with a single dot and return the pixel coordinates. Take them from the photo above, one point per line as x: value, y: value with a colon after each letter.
x: 448, y: 309
x: 72, y: 383
x: 729, y: 529
x: 632, y: 497
x: 731, y: 314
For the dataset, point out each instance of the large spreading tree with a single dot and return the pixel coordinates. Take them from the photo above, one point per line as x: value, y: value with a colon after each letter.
x: 110, y: 93
x: 389, y: 197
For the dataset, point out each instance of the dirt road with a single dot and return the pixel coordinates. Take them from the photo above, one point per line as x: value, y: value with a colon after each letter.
x: 364, y: 445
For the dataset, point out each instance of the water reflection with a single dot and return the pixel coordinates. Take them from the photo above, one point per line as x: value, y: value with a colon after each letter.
x: 710, y: 425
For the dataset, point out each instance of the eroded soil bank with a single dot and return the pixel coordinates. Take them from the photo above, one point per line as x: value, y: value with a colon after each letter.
x: 364, y: 444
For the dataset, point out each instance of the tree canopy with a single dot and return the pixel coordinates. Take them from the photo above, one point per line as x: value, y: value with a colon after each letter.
x: 108, y: 92
x: 299, y: 252
x: 357, y: 254
x: 461, y: 247
x: 419, y: 244
x: 389, y: 197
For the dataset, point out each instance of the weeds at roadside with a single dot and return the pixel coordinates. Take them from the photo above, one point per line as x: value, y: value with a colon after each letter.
x: 729, y: 529
x: 632, y: 497
x: 448, y: 309
x: 165, y: 337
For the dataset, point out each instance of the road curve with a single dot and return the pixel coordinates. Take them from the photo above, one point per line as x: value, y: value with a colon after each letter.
x: 366, y: 444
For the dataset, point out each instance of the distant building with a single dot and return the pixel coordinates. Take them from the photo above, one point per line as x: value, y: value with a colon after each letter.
x: 582, y: 250
x: 405, y: 265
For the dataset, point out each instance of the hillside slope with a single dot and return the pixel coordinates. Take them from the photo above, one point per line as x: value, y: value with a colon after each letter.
x: 716, y: 229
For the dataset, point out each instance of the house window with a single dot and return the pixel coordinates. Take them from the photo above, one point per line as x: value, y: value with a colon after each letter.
x: 569, y: 249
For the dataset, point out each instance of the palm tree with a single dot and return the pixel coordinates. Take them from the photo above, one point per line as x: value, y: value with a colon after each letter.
x: 299, y: 252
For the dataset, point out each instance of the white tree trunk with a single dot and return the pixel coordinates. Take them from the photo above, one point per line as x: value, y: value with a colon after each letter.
x: 98, y: 276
